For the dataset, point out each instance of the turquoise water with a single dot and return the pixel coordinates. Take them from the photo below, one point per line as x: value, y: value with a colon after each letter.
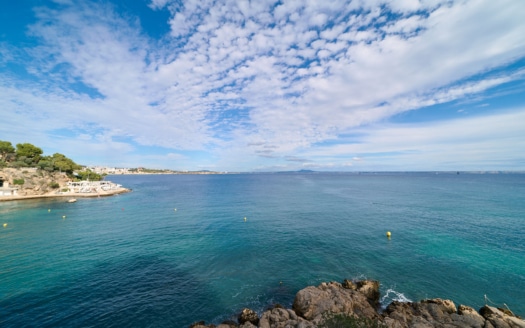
x: 177, y: 249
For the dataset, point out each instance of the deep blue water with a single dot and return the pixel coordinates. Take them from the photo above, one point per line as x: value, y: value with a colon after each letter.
x: 133, y: 260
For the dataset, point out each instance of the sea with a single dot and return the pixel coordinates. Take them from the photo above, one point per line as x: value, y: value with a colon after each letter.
x: 184, y: 248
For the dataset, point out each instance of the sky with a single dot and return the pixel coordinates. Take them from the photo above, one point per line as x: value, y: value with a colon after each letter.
x: 265, y: 85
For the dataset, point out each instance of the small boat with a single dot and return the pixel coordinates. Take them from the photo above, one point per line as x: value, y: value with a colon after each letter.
x: 72, y: 200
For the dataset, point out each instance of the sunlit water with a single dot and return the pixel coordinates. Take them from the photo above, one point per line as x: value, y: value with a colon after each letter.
x: 178, y: 250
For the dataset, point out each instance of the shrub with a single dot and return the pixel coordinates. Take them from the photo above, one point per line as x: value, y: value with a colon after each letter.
x: 18, y: 181
x: 54, y: 185
x: 343, y: 320
x: 19, y: 164
x: 89, y: 175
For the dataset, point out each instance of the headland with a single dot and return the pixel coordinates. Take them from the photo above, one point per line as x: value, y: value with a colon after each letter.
x: 34, y: 183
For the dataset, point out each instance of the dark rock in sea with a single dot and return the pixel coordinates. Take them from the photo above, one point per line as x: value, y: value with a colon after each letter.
x: 361, y: 299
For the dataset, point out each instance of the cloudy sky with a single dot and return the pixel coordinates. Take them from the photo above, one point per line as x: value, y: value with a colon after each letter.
x: 265, y: 85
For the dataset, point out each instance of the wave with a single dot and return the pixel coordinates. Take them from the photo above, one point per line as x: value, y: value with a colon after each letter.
x: 392, y: 295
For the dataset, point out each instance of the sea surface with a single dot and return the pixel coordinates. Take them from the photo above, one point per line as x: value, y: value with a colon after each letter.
x: 178, y: 248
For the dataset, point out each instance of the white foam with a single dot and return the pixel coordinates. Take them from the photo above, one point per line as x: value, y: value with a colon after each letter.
x: 392, y: 295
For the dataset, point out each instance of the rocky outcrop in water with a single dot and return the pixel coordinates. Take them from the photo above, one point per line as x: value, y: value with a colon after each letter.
x: 361, y: 299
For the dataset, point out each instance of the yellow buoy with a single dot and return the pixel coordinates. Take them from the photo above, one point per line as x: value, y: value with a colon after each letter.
x: 5, y: 225
x: 388, y: 234
x: 245, y: 219
x: 175, y: 209
x: 49, y: 210
x: 63, y: 216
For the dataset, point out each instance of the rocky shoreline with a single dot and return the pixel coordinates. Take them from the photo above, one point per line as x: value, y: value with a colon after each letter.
x: 68, y: 195
x: 360, y: 299
x: 36, y: 183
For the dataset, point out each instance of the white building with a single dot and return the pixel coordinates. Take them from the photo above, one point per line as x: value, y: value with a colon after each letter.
x: 5, y: 190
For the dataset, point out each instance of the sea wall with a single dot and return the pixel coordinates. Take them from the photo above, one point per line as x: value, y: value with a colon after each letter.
x: 361, y: 299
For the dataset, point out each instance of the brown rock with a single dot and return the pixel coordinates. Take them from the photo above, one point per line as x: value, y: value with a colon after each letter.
x: 358, y: 298
x: 200, y: 324
x: 369, y: 288
x: 247, y: 324
x: 468, y: 317
x: 348, y: 284
x: 248, y: 315
x: 444, y: 305
x: 311, y: 302
x: 283, y: 318
x: 498, y: 319
x: 228, y: 324
x: 427, y: 313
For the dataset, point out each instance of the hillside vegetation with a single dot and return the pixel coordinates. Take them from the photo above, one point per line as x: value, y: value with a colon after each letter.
x: 32, y: 173
x: 26, y: 155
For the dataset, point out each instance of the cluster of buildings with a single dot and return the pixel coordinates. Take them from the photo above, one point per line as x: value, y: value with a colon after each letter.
x: 141, y: 170
x: 111, y: 170
x: 92, y: 186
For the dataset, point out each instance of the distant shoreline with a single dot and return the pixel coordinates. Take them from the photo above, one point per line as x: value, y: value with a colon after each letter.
x: 168, y: 172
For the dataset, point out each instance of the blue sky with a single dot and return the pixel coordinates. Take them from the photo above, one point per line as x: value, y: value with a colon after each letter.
x: 267, y: 85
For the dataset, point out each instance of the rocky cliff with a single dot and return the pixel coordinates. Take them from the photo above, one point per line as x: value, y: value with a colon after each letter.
x: 33, y: 181
x: 314, y: 306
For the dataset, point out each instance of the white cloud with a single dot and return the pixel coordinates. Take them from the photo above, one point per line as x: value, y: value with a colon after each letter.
x: 456, y: 144
x: 281, y: 77
x: 158, y: 4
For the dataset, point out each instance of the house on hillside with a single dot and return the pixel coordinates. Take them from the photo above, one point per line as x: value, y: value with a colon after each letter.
x: 5, y: 190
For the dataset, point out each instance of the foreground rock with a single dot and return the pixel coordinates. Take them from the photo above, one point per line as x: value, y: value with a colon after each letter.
x: 361, y: 299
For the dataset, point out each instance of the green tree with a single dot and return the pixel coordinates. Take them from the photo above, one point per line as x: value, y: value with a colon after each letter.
x: 63, y: 164
x: 87, y: 174
x: 6, y: 148
x: 30, y: 152
x: 46, y: 163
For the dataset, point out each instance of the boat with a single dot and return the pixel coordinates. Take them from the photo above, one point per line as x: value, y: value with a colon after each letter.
x: 72, y: 200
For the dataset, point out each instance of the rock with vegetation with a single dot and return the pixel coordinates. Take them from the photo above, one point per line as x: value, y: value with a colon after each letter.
x: 25, y: 169
x: 33, y: 181
x: 354, y: 304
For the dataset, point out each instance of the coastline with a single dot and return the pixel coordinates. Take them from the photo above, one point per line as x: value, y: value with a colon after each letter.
x: 256, y: 261
x: 356, y: 303
x: 34, y: 183
x: 67, y: 195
